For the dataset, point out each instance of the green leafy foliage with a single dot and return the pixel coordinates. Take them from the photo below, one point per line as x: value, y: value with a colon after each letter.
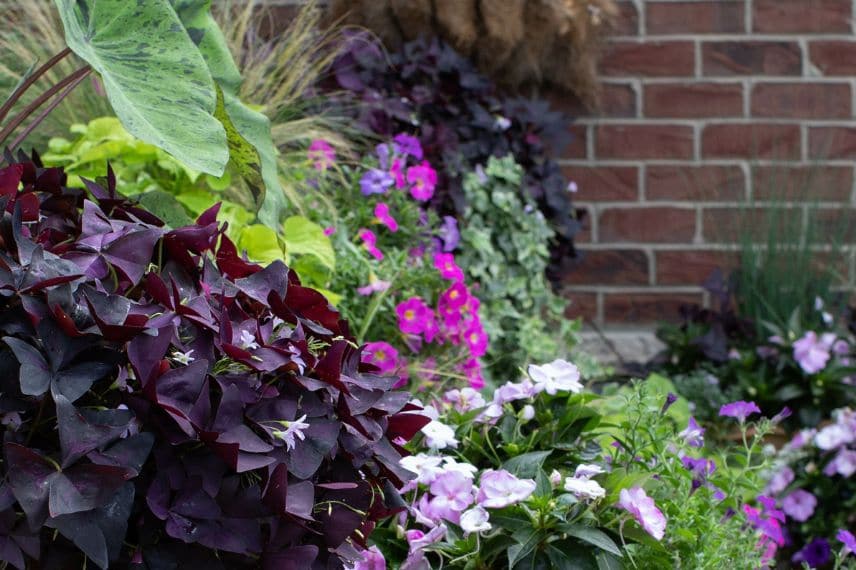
x: 505, y: 249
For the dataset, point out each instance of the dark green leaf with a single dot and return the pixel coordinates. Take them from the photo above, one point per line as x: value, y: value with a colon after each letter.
x: 526, y: 465
x: 592, y: 536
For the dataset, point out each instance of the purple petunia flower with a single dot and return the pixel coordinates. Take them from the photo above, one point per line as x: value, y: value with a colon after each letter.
x: 408, y: 145
x: 375, y: 181
x: 780, y: 481
x: 799, y: 505
x: 739, y: 410
x: 701, y: 469
x: 423, y: 179
x: 693, y: 434
x: 449, y: 234
x: 372, y: 560
x: 816, y: 553
x: 849, y: 541
x: 670, y: 399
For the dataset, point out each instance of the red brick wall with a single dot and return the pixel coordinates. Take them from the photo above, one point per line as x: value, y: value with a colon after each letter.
x: 706, y: 103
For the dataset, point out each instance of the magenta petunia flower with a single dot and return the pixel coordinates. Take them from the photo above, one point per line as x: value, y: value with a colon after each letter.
x: 636, y: 502
x: 739, y: 410
x: 381, y: 212
x: 381, y: 354
x: 455, y: 297
x: 799, y: 505
x: 375, y: 181
x: 322, y: 155
x: 476, y: 339
x: 329, y: 230
x: 423, y: 180
x: 812, y: 352
x: 472, y: 369
x: 397, y: 173
x: 500, y: 489
x: 370, y: 243
x: 445, y: 264
x: 846, y: 537
x: 408, y: 145
x: 413, y: 315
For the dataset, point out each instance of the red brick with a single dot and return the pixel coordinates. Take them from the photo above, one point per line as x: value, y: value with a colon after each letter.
x: 815, y: 182
x: 647, y: 225
x: 834, y: 226
x: 751, y: 58
x: 605, y: 183
x: 610, y: 267
x: 649, y: 59
x: 832, y: 142
x: 694, y: 183
x: 802, y: 100
x: 644, y: 141
x: 691, y: 100
x: 758, y: 140
x: 578, y: 146
x: 732, y: 225
x: 581, y: 305
x: 834, y: 57
x: 711, y: 17
x: 648, y: 308
x: 689, y: 267
x: 802, y: 16
x: 618, y: 100
x: 627, y: 21
x: 585, y: 234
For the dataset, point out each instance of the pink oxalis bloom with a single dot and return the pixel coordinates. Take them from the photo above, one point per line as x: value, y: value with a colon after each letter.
x: 812, y: 352
x: 381, y: 212
x: 445, y: 264
x: 636, y: 502
x: 423, y: 180
x: 383, y: 355
x: 369, y: 240
x: 500, y: 489
x: 322, y: 155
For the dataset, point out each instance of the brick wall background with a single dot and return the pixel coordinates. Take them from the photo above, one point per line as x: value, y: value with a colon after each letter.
x: 707, y: 103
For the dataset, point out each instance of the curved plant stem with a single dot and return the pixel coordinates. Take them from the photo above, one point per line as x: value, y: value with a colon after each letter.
x: 40, y: 100
x: 43, y: 115
x: 16, y: 94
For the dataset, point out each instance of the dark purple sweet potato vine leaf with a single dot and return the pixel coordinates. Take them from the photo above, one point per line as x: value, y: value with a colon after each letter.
x: 148, y: 378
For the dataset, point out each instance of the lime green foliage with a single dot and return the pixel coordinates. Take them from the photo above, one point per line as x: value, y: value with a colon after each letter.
x: 699, y: 534
x: 504, y: 248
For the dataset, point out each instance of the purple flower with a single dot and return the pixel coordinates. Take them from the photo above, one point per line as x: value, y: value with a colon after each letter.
x: 849, y: 541
x: 383, y: 355
x: 453, y: 493
x: 500, y: 489
x: 408, y: 145
x: 784, y: 414
x: 816, y: 553
x: 375, y: 181
x: 840, y: 347
x: 739, y: 410
x: 382, y: 151
x: 372, y: 560
x: 670, y: 399
x: 636, y: 502
x: 449, y: 233
x: 693, y: 434
x: 812, y: 353
x: 780, y: 481
x: 511, y: 391
x: 844, y: 464
x: 799, y: 505
x: 701, y: 469
x: 833, y: 437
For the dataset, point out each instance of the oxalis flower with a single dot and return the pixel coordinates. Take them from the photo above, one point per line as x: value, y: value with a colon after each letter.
x: 636, y: 502
x: 293, y: 430
x: 739, y: 410
x: 322, y: 155
x: 500, y: 489
x: 559, y: 375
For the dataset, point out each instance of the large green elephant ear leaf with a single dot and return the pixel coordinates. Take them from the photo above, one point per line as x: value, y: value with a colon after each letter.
x: 253, y: 153
x: 155, y: 77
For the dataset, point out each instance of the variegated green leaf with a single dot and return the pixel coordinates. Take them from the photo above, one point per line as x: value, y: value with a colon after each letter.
x: 155, y: 77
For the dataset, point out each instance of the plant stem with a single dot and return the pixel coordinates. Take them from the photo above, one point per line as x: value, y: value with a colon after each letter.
x: 13, y: 98
x: 40, y: 100
x: 43, y: 115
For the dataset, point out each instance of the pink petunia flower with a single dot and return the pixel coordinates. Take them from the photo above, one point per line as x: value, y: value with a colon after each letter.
x: 636, y: 502
x: 472, y: 369
x: 500, y: 489
x: 423, y: 180
x: 370, y: 243
x: 413, y: 315
x: 381, y: 212
x: 329, y: 230
x: 372, y: 560
x: 383, y: 355
x: 445, y: 264
x: 322, y: 155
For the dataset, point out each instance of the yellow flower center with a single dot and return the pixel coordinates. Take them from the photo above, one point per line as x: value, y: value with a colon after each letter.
x: 409, y: 314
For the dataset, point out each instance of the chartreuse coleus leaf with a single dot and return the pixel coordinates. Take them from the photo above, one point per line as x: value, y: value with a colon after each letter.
x: 155, y: 77
x: 253, y: 153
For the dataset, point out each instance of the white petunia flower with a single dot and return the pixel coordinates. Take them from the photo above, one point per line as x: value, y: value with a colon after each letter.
x: 557, y: 376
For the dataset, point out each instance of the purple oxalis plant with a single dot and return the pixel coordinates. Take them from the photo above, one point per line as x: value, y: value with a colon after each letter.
x: 169, y: 404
